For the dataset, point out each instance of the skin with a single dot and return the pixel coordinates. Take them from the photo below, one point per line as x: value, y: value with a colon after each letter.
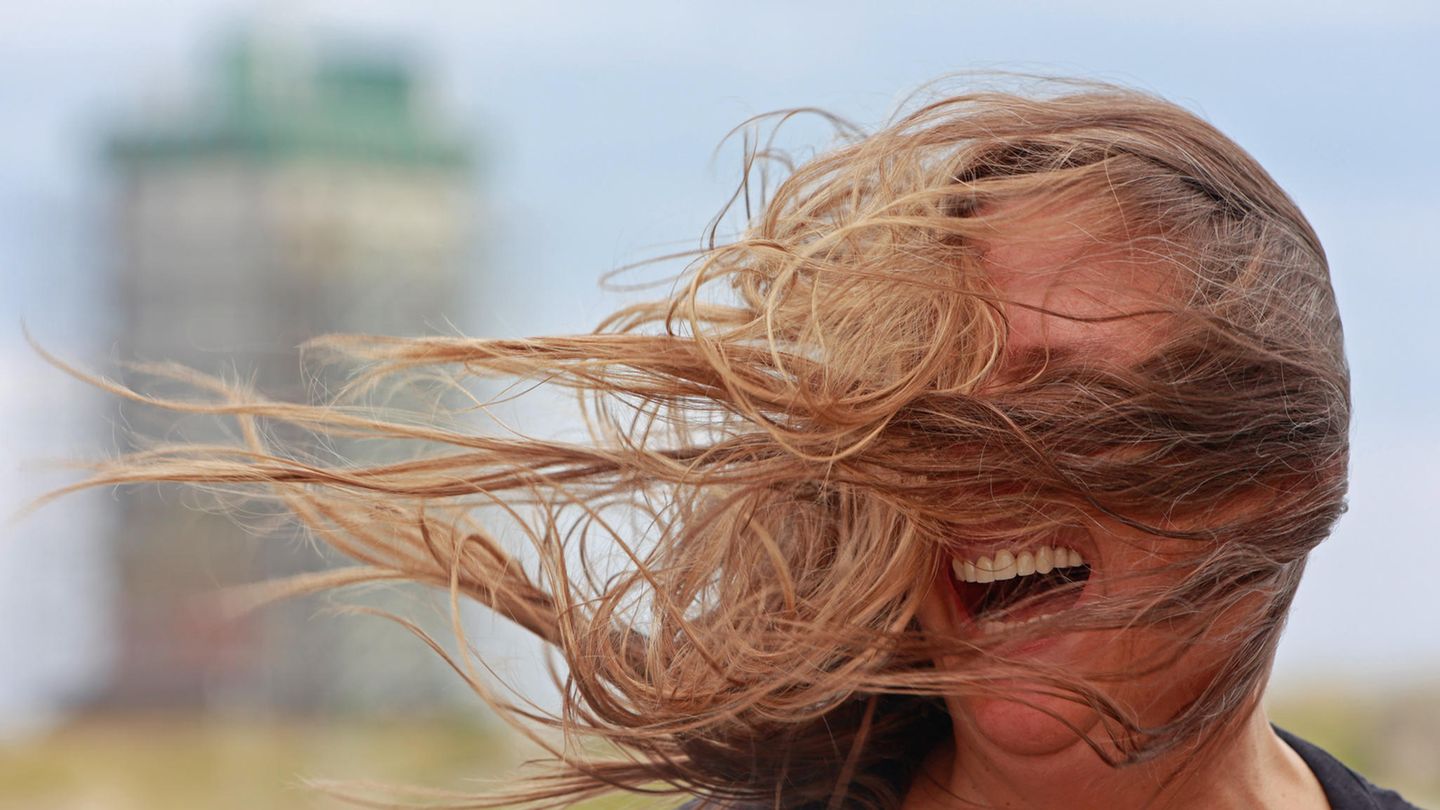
x: 1006, y: 753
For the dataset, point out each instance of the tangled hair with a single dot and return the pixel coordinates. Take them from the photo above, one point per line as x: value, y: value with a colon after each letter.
x: 786, y: 448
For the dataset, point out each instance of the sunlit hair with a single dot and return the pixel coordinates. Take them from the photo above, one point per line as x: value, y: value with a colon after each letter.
x: 787, y: 447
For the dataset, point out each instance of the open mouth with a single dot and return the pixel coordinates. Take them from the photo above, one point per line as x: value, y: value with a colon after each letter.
x: 1011, y: 588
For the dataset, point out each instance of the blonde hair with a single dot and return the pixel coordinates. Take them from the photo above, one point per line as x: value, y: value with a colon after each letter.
x: 796, y: 436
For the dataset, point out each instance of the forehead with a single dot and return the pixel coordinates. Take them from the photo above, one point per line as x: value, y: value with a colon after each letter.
x: 1065, y: 294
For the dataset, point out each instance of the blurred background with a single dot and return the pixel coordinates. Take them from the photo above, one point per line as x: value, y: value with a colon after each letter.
x: 213, y: 182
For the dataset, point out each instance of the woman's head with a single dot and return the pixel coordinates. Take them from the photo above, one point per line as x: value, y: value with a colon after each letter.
x: 1002, y: 328
x: 1088, y: 322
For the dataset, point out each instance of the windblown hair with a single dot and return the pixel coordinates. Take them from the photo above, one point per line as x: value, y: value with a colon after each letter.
x: 789, y: 446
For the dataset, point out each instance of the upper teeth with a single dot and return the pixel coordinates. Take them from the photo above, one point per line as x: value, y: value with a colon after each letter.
x: 1007, y: 565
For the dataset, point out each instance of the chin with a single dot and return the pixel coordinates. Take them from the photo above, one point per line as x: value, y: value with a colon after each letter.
x: 1028, y: 729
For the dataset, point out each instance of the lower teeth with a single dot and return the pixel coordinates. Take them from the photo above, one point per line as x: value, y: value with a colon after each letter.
x: 992, y: 626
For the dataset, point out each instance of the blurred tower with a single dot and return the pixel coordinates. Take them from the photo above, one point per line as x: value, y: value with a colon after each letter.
x: 302, y: 192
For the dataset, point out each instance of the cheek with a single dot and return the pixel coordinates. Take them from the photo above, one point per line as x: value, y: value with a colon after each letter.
x: 936, y: 616
x: 1163, y: 685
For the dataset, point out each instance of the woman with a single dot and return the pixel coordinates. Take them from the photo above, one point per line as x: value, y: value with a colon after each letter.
x: 980, y: 470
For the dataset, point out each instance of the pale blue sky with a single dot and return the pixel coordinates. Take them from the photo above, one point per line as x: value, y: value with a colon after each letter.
x: 597, y: 123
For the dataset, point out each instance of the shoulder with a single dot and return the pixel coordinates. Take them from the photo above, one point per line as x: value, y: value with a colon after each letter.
x: 1346, y: 789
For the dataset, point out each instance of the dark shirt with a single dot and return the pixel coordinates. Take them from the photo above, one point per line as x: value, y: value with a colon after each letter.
x: 1345, y: 789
